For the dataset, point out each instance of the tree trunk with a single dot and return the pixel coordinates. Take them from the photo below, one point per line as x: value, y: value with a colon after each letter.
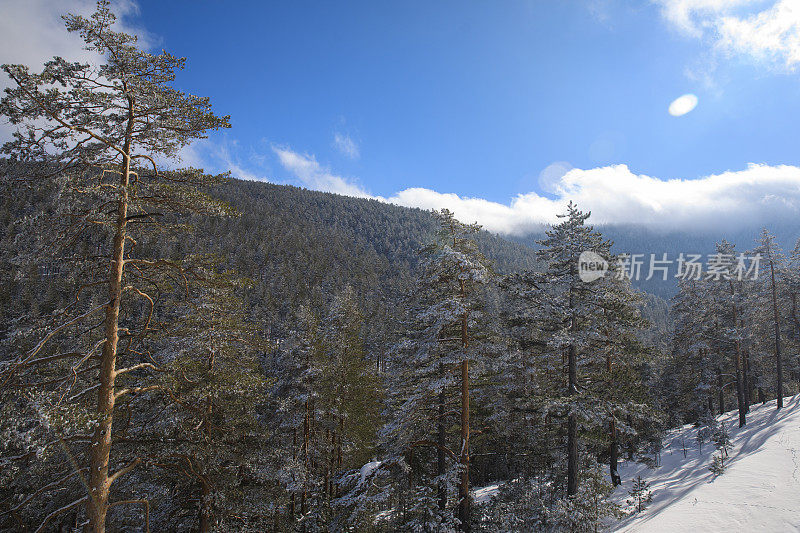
x: 339, y: 453
x: 328, y: 463
x: 99, y: 482
x: 740, y: 387
x: 293, y: 496
x: 306, y: 455
x: 613, y: 453
x: 751, y: 384
x: 463, y: 492
x: 776, y: 317
x: 746, y: 379
x: 740, y: 401
x: 613, y: 450
x: 740, y: 398
x: 463, y: 488
x: 205, y: 511
x: 440, y: 464
x: 720, y: 391
x: 572, y: 427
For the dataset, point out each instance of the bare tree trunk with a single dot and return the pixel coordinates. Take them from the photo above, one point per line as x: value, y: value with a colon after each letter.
x: 440, y: 440
x: 746, y: 379
x: 339, y: 455
x: 613, y: 452
x: 307, y: 457
x: 463, y: 488
x: 740, y: 394
x: 751, y: 377
x: 778, y: 365
x: 327, y: 463
x: 293, y: 495
x: 99, y: 480
x: 740, y: 387
x: 463, y: 492
x: 740, y: 400
x: 720, y: 391
x: 205, y: 511
x: 572, y: 427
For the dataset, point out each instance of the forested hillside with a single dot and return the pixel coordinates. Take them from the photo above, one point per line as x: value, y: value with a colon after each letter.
x: 295, y: 246
x: 181, y: 351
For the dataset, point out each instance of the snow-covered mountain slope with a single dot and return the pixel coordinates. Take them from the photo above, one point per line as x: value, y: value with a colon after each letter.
x: 759, y: 490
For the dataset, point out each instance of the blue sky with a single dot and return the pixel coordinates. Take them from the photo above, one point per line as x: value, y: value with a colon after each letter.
x: 474, y: 97
x: 479, y: 98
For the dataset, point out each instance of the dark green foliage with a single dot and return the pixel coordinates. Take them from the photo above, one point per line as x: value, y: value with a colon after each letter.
x: 641, y: 494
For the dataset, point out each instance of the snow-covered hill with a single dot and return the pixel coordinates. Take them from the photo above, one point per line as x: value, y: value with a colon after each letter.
x: 759, y: 490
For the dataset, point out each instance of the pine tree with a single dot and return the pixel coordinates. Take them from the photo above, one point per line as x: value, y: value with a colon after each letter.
x: 587, y: 324
x: 728, y: 328
x: 623, y: 391
x: 770, y: 253
x: 99, y: 130
x: 299, y: 363
x: 717, y: 465
x: 691, y: 368
x: 641, y: 494
x: 792, y: 276
x: 431, y: 375
x: 327, y: 403
x: 722, y: 442
x: 528, y: 378
x: 217, y: 443
x: 356, y: 395
x: 351, y: 395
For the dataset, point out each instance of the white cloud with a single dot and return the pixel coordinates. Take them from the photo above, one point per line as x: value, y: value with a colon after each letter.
x: 314, y: 176
x: 766, y: 30
x: 216, y: 156
x: 525, y: 213
x: 615, y: 195
x: 682, y: 105
x: 771, y: 34
x: 694, y: 17
x: 32, y: 32
x: 346, y: 145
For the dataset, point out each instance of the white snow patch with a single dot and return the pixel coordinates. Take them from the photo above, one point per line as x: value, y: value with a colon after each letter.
x: 484, y: 494
x: 757, y: 492
x: 367, y: 470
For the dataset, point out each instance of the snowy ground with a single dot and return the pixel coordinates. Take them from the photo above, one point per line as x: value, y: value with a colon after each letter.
x: 759, y: 491
x: 484, y: 494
